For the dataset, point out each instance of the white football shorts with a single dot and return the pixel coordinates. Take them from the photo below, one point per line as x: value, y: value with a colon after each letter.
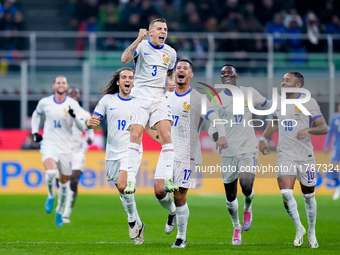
x: 63, y: 160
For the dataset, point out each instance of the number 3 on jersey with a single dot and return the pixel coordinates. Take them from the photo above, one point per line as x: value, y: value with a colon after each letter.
x: 154, y: 71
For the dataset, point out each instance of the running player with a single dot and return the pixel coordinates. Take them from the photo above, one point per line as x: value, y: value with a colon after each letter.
x: 154, y: 64
x: 56, y: 148
x: 115, y: 105
x: 242, y: 151
x: 78, y: 159
x: 295, y: 155
x: 334, y: 129
x: 186, y: 107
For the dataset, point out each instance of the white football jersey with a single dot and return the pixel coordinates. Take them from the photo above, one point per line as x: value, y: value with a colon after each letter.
x: 240, y: 136
x: 187, y: 120
x: 152, y: 64
x: 117, y: 112
x: 77, y: 134
x: 58, y: 123
x: 289, y: 125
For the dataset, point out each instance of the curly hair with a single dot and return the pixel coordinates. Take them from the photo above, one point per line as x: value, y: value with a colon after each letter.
x: 112, y: 87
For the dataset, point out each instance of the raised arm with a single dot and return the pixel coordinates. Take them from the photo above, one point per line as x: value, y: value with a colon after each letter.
x: 129, y: 52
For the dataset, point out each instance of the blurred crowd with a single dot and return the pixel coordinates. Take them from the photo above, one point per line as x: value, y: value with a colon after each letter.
x: 271, y: 16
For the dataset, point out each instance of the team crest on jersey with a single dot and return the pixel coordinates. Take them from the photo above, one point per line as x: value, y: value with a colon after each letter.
x: 297, y: 110
x: 66, y: 111
x: 130, y: 117
x: 166, y: 58
x: 186, y: 107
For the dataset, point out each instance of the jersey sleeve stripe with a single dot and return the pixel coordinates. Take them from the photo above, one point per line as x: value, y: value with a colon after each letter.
x: 98, y: 114
x: 38, y: 112
x: 135, y: 54
x: 265, y: 102
x: 316, y: 117
x: 170, y: 70
x: 206, y: 116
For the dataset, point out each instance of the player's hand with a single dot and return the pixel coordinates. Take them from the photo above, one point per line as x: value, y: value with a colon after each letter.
x: 36, y: 137
x: 264, y: 147
x: 302, y: 133
x: 171, y: 86
x: 93, y: 122
x: 71, y: 112
x: 89, y: 141
x: 142, y: 33
x: 221, y: 144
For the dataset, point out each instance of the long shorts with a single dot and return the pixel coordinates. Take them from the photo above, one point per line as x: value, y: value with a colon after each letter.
x: 63, y: 160
x: 149, y: 104
x: 78, y: 160
x: 233, y: 166
x: 184, y: 174
x: 304, y: 170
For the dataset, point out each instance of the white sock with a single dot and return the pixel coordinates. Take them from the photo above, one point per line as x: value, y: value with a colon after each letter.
x: 248, y: 200
x: 166, y: 160
x: 289, y: 203
x: 50, y: 178
x: 233, y: 212
x: 64, y: 189
x: 168, y: 204
x: 139, y: 222
x: 182, y: 215
x: 311, y: 208
x: 68, y: 204
x: 128, y: 202
x: 132, y: 157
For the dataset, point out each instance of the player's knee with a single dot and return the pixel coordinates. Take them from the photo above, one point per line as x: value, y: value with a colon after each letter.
x: 180, y: 199
x: 160, y: 193
x: 247, y: 190
x: 135, y: 137
x: 121, y: 187
x: 165, y: 137
x: 231, y: 196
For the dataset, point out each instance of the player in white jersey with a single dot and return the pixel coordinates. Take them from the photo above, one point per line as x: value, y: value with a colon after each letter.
x: 186, y: 104
x: 78, y: 159
x: 154, y: 64
x: 60, y: 113
x: 295, y: 156
x: 239, y: 159
x: 115, y: 105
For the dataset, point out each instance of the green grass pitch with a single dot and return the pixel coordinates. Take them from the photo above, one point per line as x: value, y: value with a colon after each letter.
x: 99, y: 226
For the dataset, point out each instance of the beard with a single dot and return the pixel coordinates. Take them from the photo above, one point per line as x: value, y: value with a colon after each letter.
x: 61, y: 93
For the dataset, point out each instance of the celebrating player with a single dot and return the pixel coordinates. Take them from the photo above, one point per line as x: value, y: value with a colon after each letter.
x: 60, y: 113
x: 334, y: 129
x: 78, y: 159
x: 242, y: 151
x: 186, y: 107
x: 295, y: 155
x: 115, y: 105
x: 154, y: 64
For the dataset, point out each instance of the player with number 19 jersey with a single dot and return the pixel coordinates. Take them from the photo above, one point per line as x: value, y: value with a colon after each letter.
x: 116, y: 109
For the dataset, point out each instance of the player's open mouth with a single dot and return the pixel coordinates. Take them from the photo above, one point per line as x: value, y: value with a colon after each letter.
x: 161, y: 38
x: 180, y: 76
x: 127, y: 85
